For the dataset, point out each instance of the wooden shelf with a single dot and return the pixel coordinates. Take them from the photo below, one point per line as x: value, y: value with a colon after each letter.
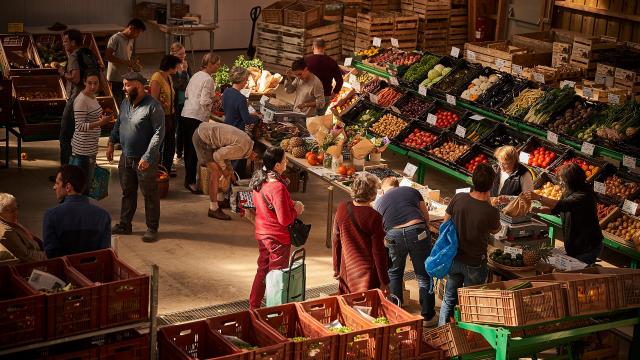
x: 603, y: 12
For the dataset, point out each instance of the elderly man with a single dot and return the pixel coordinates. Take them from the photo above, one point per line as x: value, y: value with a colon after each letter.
x: 13, y: 236
x: 308, y: 88
x: 216, y: 145
x: 140, y: 131
x: 326, y: 69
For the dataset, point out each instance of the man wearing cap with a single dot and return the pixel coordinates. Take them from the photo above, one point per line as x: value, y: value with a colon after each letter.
x: 326, y: 69
x: 140, y: 131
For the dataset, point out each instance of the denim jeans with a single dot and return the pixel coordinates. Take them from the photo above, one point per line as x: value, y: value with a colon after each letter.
x: 130, y: 179
x: 460, y: 275
x: 591, y: 256
x: 407, y: 241
x: 88, y: 165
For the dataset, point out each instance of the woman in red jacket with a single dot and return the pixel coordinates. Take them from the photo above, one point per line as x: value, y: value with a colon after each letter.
x: 275, y: 211
x: 360, y: 260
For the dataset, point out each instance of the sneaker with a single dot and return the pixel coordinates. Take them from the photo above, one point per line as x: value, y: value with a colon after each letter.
x: 150, y: 236
x: 119, y: 229
x: 218, y: 214
x: 433, y: 322
x: 225, y: 204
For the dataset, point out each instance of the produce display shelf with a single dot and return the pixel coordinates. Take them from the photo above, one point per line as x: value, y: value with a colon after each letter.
x: 442, y: 168
x: 507, y: 347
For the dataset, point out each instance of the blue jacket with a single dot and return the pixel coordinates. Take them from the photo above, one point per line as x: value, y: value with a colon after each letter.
x: 236, y: 111
x: 75, y: 226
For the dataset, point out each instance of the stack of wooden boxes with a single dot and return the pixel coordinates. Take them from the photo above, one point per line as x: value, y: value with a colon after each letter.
x: 458, y: 24
x: 374, y: 24
x: 375, y: 5
x: 586, y: 52
x: 406, y: 31
x: 435, y: 16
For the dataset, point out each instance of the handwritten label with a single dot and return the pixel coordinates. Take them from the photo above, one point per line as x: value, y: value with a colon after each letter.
x: 516, y: 69
x: 599, y: 187
x: 538, y: 77
x: 477, y: 117
x: 463, y: 190
x: 629, y: 161
x: 613, y: 98
x: 395, y: 110
x: 373, y: 98
x: 245, y: 92
x: 395, y: 42
x: 587, y: 92
x: 348, y: 61
x: 500, y: 63
x: 471, y: 55
x: 524, y: 157
x: 422, y: 90
x: 552, y: 137
x: 461, y: 131
x: 451, y: 100
x: 410, y: 170
x: 630, y: 207
x: 394, y: 81
x: 588, y: 148
x: 571, y: 84
x: 263, y: 100
x: 512, y: 250
x: 268, y: 115
x: 377, y: 42
x: 352, y: 79
x: 455, y: 52
x: 432, y: 119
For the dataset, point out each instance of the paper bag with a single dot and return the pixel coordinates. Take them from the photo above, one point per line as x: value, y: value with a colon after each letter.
x: 362, y: 149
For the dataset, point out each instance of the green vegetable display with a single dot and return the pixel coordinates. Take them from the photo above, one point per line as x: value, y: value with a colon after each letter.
x: 247, y: 63
x: 620, y: 122
x: 549, y: 104
x: 420, y: 69
x: 221, y: 77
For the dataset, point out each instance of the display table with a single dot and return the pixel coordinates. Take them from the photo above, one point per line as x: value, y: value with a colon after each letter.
x: 183, y: 30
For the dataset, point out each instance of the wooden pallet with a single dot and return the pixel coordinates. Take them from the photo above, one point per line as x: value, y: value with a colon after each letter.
x: 376, y: 5
x: 279, y: 44
x: 406, y: 5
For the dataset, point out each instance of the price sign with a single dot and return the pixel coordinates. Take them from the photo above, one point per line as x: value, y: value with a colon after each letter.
x: 523, y: 157
x: 352, y: 79
x: 395, y: 110
x: 268, y: 115
x: 587, y: 92
x: 395, y: 43
x: 451, y: 100
x: 512, y: 250
x: 516, y: 69
x: 252, y: 110
x: 377, y: 42
x: 432, y: 119
x: 500, y: 63
x: 477, y: 117
x: 394, y: 81
x: 410, y: 170
x: 471, y: 55
x: 613, y: 98
x: 599, y: 187
x: 422, y: 90
x: 373, y: 98
x: 455, y: 52
x: 588, y: 148
x: 245, y: 92
x: 630, y: 207
x: 348, y: 61
x: 629, y: 161
x: 461, y: 131
x: 538, y: 77
x: 553, y: 137
x: 263, y: 100
x: 568, y: 83
x: 463, y: 190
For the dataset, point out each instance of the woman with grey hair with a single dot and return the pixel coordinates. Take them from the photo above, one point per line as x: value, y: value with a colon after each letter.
x: 360, y: 259
x: 236, y: 109
x: 13, y: 236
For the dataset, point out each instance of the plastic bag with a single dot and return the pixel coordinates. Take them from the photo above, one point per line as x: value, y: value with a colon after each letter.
x: 444, y: 251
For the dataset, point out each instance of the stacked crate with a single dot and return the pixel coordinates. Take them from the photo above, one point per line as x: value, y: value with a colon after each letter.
x: 458, y: 24
x: 629, y: 81
x: 586, y: 52
x: 406, y: 6
x: 375, y: 5
x: 434, y: 24
x: 406, y: 31
x: 349, y: 32
x: 374, y: 24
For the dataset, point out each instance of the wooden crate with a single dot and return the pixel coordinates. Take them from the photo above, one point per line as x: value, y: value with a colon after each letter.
x: 406, y: 5
x: 490, y: 53
x: 424, y: 7
x: 302, y: 15
x: 376, y: 5
x: 274, y: 13
x: 561, y: 54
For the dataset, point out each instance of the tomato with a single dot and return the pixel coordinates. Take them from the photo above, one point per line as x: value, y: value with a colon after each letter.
x: 342, y: 170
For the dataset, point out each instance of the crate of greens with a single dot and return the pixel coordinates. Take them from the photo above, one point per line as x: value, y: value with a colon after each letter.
x: 521, y: 104
x: 454, y: 82
x: 619, y: 124
x: 363, y: 113
x: 439, y: 71
x: 477, y: 130
x: 418, y: 71
x: 551, y: 103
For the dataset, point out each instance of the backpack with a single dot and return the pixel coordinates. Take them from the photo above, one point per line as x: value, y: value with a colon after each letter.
x: 87, y: 61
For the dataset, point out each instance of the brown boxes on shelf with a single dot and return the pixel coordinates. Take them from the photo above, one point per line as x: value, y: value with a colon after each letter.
x: 19, y: 56
x: 374, y: 24
x: 627, y: 284
x: 274, y: 13
x: 561, y: 54
x: 40, y: 103
x: 302, y: 15
x: 376, y: 5
x: 349, y: 31
x: 458, y: 27
x: 587, y: 50
x: 148, y: 10
x: 406, y: 31
x: 502, y: 55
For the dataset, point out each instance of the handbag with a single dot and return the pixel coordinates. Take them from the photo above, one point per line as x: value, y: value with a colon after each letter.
x: 298, y: 231
x: 100, y: 184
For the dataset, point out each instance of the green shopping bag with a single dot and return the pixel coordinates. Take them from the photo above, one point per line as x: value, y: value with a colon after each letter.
x: 287, y: 285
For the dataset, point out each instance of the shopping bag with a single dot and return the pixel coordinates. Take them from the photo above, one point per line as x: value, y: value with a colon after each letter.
x: 235, y: 199
x: 287, y: 285
x: 443, y: 252
x: 100, y: 183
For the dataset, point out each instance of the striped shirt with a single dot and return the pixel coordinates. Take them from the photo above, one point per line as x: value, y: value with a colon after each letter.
x: 86, y: 110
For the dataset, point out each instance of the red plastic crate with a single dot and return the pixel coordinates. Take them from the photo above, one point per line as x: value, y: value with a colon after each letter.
x: 123, y: 290
x: 86, y: 354
x: 247, y: 327
x: 290, y: 322
x: 195, y: 340
x: 129, y: 349
x: 70, y: 312
x: 403, y: 333
x: 363, y: 342
x: 21, y: 311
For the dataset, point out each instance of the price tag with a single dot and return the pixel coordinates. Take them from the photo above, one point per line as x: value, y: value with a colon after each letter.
x: 477, y: 117
x: 600, y: 79
x: 588, y: 148
x: 245, y: 92
x: 455, y: 52
x: 500, y: 63
x: 461, y: 131
x: 268, y: 115
x: 395, y: 43
x: 377, y: 42
x: 422, y: 90
x: 471, y: 55
x: 630, y: 207
x: 613, y: 99
x: 599, y: 187
x: 410, y: 170
x: 538, y: 77
x: 263, y: 100
x: 587, y: 92
x: 432, y: 119
x: 348, y: 61
x: 553, y: 137
x: 252, y: 110
x: 512, y: 250
x: 523, y: 157
x: 568, y: 83
x: 394, y: 81
x: 516, y: 69
x: 463, y: 190
x: 373, y: 98
x: 629, y: 161
x: 395, y: 110
x: 352, y: 79
x: 451, y: 100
